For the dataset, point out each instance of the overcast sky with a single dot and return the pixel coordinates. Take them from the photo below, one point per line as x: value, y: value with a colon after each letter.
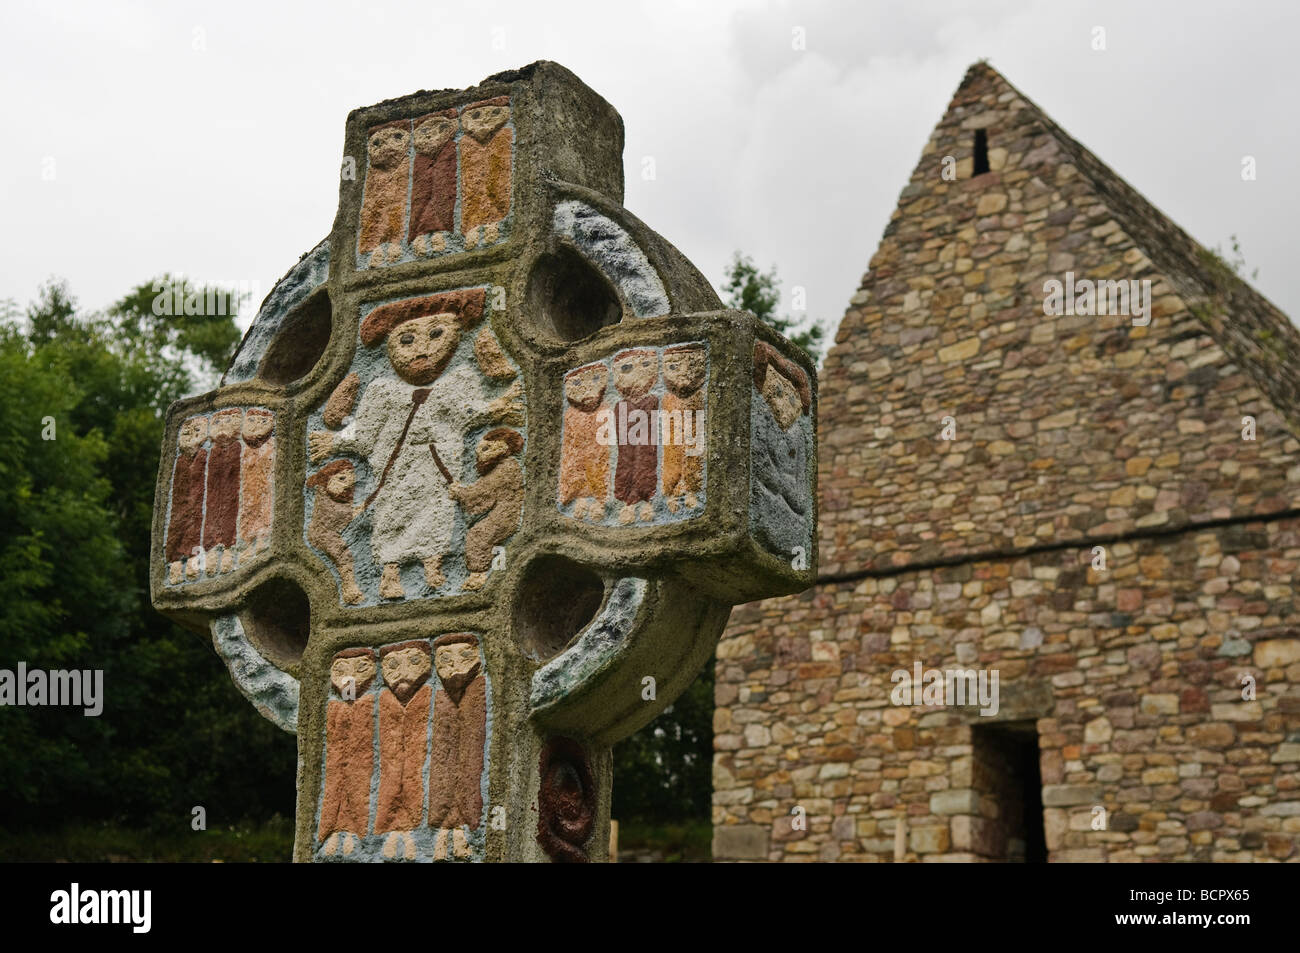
x: 205, y: 138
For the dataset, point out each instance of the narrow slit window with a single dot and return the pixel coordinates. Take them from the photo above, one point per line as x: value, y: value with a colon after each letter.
x: 981, y: 152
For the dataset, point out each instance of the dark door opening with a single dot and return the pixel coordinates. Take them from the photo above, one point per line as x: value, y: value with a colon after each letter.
x: 1005, y: 765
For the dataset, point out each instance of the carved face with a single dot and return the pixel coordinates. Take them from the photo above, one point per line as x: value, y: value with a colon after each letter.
x: 193, y: 432
x: 356, y: 671
x: 226, y: 424
x: 782, y: 397
x: 490, y: 452
x: 340, y: 485
x: 419, y: 349
x: 405, y: 670
x: 434, y: 133
x: 257, y: 424
x: 684, y: 370
x: 388, y: 146
x: 481, y: 121
x: 585, y: 387
x: 635, y: 372
x: 457, y: 659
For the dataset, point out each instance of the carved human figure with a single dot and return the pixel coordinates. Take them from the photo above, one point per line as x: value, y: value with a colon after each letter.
x: 256, y: 472
x: 411, y: 428
x: 485, y: 169
x: 459, y: 731
x: 584, y: 459
x: 349, y: 751
x: 331, y: 512
x: 433, y: 182
x: 498, y: 493
x: 185, y: 523
x: 685, y: 368
x: 383, y: 206
x: 780, y: 450
x: 635, y: 373
x: 221, y: 499
x: 403, y: 730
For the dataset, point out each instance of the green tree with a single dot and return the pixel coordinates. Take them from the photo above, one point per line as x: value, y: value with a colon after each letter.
x: 76, y: 513
x: 748, y: 289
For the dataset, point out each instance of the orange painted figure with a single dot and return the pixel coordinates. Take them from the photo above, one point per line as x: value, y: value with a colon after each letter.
x: 349, y: 751
x: 485, y: 169
x: 584, y: 459
x: 685, y: 368
x: 403, y: 730
x: 256, y: 470
x: 459, y: 731
x: 383, y: 207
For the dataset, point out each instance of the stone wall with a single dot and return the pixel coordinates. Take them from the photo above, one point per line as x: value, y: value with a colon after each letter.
x: 1133, y: 677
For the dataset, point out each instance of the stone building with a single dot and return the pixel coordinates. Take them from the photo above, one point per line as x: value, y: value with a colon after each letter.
x: 1113, y: 530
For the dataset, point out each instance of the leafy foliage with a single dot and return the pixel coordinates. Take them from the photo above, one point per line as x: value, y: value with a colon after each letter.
x: 75, y: 518
x: 748, y: 289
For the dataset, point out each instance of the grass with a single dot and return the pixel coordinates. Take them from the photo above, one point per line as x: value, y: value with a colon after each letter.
x: 690, y: 842
x: 270, y: 841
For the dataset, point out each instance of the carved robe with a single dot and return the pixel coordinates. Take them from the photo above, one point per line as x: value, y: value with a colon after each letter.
x: 255, y: 500
x: 485, y: 171
x: 638, y: 463
x: 456, y: 765
x: 584, y: 461
x: 403, y: 730
x: 683, y: 473
x: 184, y: 530
x: 349, y: 762
x: 222, y: 493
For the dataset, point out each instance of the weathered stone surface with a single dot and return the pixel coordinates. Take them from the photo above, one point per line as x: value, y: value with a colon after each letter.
x: 400, y: 466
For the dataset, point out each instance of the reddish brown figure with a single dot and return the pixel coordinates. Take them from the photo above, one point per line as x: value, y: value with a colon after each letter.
x: 185, y: 525
x: 485, y: 169
x: 403, y: 733
x: 635, y: 373
x: 332, y: 510
x: 349, y: 751
x: 459, y: 731
x: 584, y: 459
x: 221, y: 499
x: 433, y: 182
x: 383, y: 207
x: 499, y: 493
x: 257, y: 467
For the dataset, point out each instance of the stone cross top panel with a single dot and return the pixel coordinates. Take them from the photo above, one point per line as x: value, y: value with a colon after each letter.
x: 478, y: 490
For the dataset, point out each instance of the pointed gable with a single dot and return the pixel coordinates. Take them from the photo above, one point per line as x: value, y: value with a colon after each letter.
x: 1069, y: 428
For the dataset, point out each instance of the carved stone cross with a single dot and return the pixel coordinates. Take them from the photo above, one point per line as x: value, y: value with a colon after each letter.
x: 476, y: 494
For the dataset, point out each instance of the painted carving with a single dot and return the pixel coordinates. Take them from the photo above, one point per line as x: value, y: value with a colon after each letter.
x: 403, y: 730
x: 221, y: 499
x: 622, y: 428
x: 383, y: 206
x: 685, y: 367
x: 423, y: 175
x: 185, y: 526
x: 498, y: 494
x: 459, y: 733
x: 433, y: 185
x: 485, y: 169
x: 339, y: 406
x: 781, y: 500
x: 331, y: 512
x: 411, y: 428
x: 584, y: 459
x: 349, y: 752
x: 221, y: 493
x: 256, y: 476
x: 566, y: 801
x: 635, y: 372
